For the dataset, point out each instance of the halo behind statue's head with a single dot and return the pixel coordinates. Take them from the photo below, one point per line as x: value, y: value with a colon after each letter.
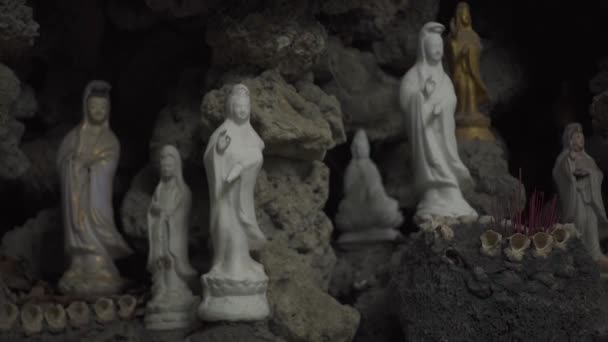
x: 238, y: 91
x: 427, y: 30
x: 569, y: 131
x: 360, y: 145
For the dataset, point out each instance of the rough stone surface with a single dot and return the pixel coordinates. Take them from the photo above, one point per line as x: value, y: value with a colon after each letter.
x: 397, y: 47
x: 267, y: 41
x: 17, y: 28
x: 361, y: 276
x: 234, y: 332
x: 292, y: 123
x: 36, y: 244
x: 449, y: 291
x: 494, y: 185
x: 301, y: 310
x: 13, y: 162
x: 362, y: 19
x: 290, y: 196
x: 369, y: 96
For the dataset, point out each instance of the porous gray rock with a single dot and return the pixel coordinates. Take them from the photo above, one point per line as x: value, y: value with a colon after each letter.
x: 17, y: 29
x: 362, y: 276
x: 301, y: 309
x: 36, y: 244
x: 267, y: 41
x: 495, y: 187
x: 369, y: 97
x: 13, y: 162
x: 450, y: 291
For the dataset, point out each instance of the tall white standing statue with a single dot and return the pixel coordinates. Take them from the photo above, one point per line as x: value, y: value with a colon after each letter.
x: 235, y: 287
x: 87, y: 161
x: 366, y: 213
x: 579, y: 184
x: 172, y: 305
x: 427, y: 96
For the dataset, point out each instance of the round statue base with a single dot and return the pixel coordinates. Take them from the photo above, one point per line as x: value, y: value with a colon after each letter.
x: 233, y: 300
x: 166, y: 319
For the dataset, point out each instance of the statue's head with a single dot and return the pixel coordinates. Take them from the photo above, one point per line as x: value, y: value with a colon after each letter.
x: 97, y: 102
x: 238, y: 104
x: 574, y: 138
x: 432, y: 42
x: 170, y: 162
x: 463, y: 14
x: 360, y: 145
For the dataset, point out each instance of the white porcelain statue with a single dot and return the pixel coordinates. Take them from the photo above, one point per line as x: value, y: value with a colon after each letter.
x: 87, y: 161
x: 427, y: 96
x: 172, y: 305
x: 366, y: 213
x: 579, y: 184
x: 235, y: 287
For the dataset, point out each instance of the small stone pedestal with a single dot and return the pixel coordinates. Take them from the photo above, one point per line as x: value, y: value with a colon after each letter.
x: 226, y: 299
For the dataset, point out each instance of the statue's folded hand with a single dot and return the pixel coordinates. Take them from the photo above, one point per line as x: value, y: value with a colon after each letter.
x: 437, y: 109
x: 234, y: 173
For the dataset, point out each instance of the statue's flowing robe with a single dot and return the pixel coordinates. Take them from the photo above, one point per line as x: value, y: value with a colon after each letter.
x: 87, y: 173
x: 233, y: 225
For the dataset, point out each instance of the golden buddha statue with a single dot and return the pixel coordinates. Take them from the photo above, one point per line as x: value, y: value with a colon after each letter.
x: 464, y: 52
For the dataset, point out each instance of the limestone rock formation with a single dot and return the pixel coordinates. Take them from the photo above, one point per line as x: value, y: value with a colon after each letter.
x: 301, y: 310
x: 17, y: 29
x: 369, y: 96
x: 494, y: 185
x: 267, y: 41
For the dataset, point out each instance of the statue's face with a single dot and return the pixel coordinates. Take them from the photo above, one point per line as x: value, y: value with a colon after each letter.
x: 465, y: 15
x: 241, y: 108
x: 433, y: 46
x: 578, y: 141
x: 98, y: 109
x: 167, y: 166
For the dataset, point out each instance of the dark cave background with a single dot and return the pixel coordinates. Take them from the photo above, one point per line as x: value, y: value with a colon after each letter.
x: 559, y: 44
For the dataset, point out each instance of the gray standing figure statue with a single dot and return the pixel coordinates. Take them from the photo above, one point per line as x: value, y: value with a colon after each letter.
x: 87, y: 161
x: 579, y: 184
